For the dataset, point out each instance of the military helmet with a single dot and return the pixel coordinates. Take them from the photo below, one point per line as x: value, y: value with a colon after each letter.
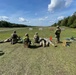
x: 36, y: 33
x: 26, y: 34
x: 57, y: 26
x: 14, y: 31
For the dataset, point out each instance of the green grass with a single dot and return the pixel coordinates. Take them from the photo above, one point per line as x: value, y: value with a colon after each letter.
x: 18, y: 60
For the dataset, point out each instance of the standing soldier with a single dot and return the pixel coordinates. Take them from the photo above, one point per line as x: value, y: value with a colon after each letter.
x: 57, y: 34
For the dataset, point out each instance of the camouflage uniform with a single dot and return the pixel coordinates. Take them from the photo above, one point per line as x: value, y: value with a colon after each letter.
x: 57, y: 34
x: 36, y: 37
x: 14, y: 37
x: 26, y: 41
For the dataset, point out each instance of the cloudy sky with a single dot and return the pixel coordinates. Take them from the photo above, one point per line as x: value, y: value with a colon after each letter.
x: 36, y: 12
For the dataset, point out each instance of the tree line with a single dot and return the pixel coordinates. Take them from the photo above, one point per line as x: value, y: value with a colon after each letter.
x: 70, y: 21
x: 8, y: 24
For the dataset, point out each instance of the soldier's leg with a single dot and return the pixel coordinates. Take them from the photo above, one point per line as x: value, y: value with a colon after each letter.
x: 57, y: 39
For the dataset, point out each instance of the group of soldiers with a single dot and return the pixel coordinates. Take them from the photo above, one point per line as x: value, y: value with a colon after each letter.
x: 27, y: 42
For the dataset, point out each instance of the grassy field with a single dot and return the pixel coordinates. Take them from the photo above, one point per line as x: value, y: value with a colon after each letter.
x: 18, y: 60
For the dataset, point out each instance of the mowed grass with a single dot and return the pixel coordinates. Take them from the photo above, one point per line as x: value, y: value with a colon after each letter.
x: 18, y: 60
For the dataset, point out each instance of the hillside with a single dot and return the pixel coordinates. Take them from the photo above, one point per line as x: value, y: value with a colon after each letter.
x: 70, y: 21
x: 8, y: 24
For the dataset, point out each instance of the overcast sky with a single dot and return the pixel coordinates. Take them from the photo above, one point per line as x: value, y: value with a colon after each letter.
x: 36, y: 12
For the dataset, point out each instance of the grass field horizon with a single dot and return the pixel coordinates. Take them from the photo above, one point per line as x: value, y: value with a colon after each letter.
x: 18, y: 60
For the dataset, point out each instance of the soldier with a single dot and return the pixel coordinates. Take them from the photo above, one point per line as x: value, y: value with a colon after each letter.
x: 46, y: 42
x: 57, y: 34
x: 14, y: 38
x: 27, y: 41
x: 36, y: 38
